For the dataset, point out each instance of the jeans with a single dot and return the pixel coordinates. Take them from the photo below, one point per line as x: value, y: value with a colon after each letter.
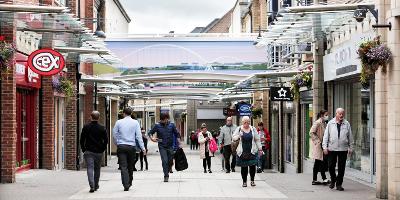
x: 93, y: 162
x: 142, y: 156
x: 227, y: 151
x: 166, y: 158
x: 333, y: 156
x: 126, y: 157
x: 207, y: 161
x: 318, y: 167
x: 245, y: 171
x: 262, y: 159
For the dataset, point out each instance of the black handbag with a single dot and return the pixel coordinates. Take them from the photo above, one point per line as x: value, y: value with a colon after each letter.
x: 180, y: 160
x: 247, y: 156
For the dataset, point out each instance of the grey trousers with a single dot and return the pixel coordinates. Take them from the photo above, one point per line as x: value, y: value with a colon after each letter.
x: 93, y: 162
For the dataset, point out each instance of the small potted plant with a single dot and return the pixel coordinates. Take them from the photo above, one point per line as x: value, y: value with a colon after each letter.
x: 63, y: 86
x: 373, y: 55
x: 6, y: 52
x: 301, y: 82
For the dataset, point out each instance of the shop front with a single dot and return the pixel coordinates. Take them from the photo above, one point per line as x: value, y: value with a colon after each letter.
x: 341, y: 70
x: 28, y: 84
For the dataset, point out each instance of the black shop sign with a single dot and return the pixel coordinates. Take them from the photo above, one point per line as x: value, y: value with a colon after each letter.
x: 281, y: 94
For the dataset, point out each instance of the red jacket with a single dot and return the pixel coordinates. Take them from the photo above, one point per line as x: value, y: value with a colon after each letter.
x: 267, y: 137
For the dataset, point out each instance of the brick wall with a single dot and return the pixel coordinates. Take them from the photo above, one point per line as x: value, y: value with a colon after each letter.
x: 70, y: 119
x: 223, y: 24
x: 89, y: 93
x: 8, y: 111
x: 48, y: 120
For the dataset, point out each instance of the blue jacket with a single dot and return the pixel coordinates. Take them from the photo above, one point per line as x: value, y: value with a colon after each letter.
x: 166, y: 133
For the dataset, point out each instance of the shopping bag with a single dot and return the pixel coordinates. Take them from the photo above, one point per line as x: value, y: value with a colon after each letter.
x: 213, y: 145
x: 180, y: 160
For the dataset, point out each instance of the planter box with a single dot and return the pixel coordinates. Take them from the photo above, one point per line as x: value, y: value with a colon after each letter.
x: 301, y: 89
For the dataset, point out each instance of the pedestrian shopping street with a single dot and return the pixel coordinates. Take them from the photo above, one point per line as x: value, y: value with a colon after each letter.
x: 305, y: 92
x: 189, y: 184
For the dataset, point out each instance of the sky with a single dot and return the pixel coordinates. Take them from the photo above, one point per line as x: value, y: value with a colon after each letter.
x: 181, y: 16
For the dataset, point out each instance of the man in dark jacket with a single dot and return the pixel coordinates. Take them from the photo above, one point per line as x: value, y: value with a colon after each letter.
x: 167, y: 139
x: 93, y: 142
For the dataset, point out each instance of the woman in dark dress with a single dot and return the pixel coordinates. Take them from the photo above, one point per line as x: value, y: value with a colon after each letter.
x: 248, y: 150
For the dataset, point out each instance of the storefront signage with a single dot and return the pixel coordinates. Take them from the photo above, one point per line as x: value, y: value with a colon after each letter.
x: 344, y: 61
x: 24, y: 75
x: 243, y: 109
x: 281, y: 94
x: 229, y: 112
x: 46, y: 62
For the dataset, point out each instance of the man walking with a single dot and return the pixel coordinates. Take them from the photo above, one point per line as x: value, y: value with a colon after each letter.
x: 93, y: 143
x: 225, y: 138
x: 167, y: 135
x: 125, y: 132
x: 337, y: 144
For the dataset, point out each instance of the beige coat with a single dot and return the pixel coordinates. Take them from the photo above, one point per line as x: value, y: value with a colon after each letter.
x: 202, y: 141
x: 255, y: 145
x: 317, y: 134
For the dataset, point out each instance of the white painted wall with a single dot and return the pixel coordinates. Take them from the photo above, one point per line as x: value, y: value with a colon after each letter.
x: 210, y: 114
x: 115, y: 21
x: 236, y: 26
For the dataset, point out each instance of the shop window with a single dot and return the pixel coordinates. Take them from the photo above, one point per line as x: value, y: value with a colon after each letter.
x: 357, y: 104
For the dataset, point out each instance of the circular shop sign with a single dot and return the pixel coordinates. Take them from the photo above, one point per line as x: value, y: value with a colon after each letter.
x: 46, y: 62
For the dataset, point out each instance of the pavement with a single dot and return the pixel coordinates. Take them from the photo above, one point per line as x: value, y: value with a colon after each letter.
x: 189, y: 184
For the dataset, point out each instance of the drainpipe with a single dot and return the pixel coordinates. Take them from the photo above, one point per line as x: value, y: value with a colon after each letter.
x: 78, y: 77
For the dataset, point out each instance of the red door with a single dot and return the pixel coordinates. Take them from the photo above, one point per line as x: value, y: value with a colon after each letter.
x: 26, y: 129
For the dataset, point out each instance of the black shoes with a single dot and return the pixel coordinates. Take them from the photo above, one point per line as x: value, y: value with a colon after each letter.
x: 166, y: 179
x: 339, y: 187
x: 233, y: 169
x: 252, y: 184
x: 209, y: 171
x: 316, y: 183
x: 259, y: 170
x: 91, y: 190
x: 332, y: 185
x: 126, y: 189
x: 96, y: 188
x: 205, y: 171
x: 228, y: 172
x: 244, y: 185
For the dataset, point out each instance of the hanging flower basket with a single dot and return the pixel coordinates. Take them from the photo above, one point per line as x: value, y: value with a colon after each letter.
x: 6, y: 52
x: 373, y: 55
x: 256, y: 113
x: 63, y: 85
x: 301, y: 82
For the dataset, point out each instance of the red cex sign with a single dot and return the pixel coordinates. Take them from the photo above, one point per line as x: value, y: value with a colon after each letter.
x: 46, y: 62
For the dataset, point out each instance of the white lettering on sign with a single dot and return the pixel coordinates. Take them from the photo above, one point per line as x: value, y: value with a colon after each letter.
x: 343, y: 55
x: 32, y: 76
x: 19, y: 69
x: 45, y: 62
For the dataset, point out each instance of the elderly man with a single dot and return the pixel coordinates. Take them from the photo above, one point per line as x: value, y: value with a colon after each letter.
x: 93, y: 143
x: 337, y: 144
x: 225, y: 137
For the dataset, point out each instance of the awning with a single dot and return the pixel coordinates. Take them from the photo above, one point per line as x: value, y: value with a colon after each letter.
x: 69, y: 35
